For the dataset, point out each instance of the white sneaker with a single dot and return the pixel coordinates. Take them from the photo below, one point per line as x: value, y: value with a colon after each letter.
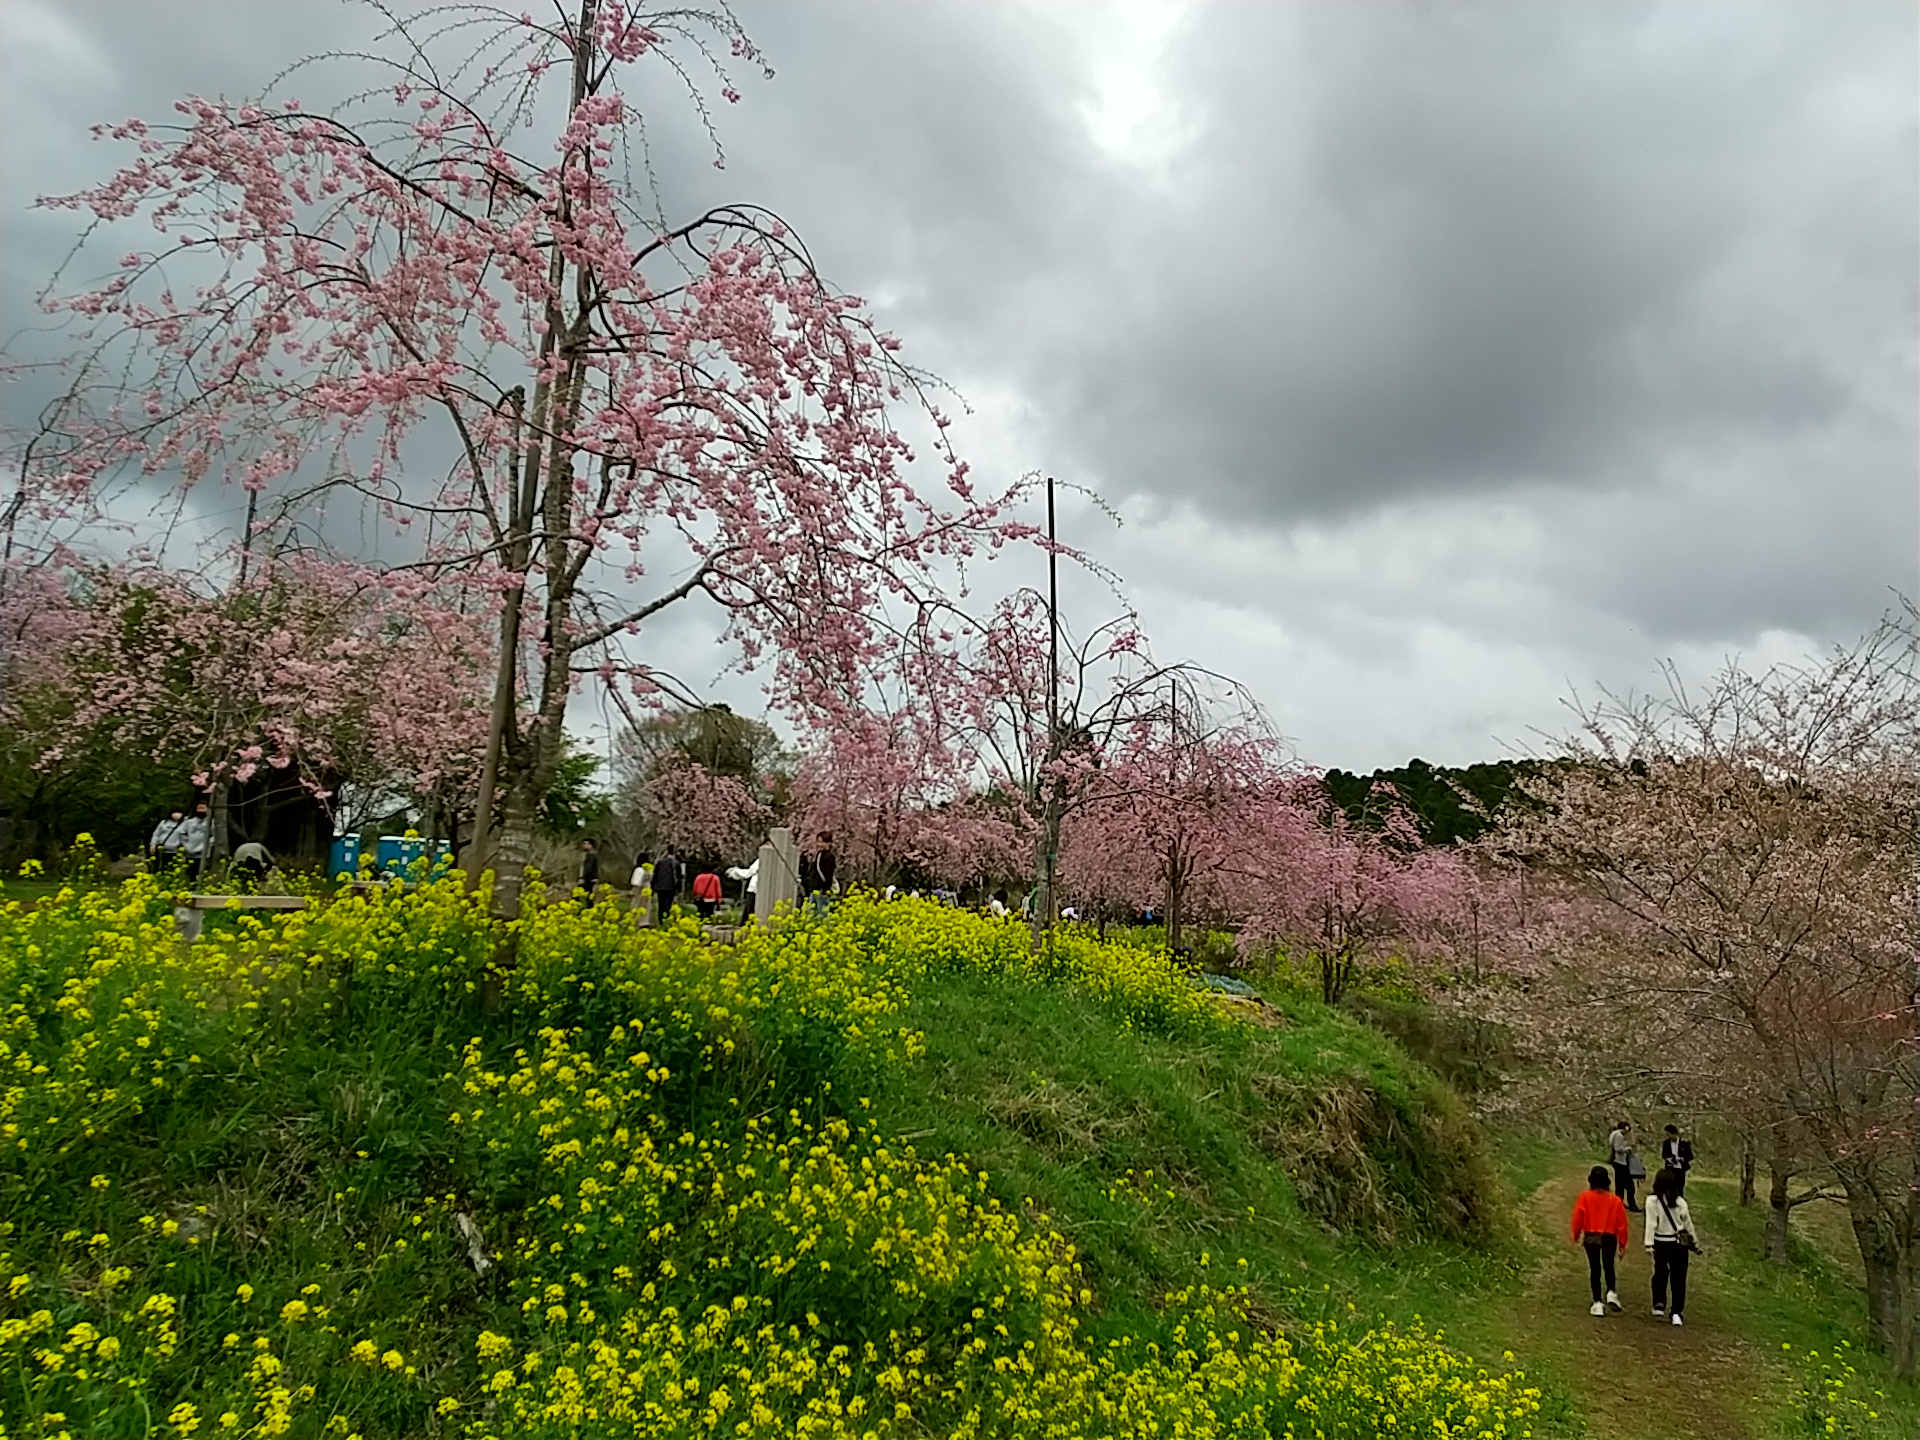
x: 1678, y: 1321
x: 1659, y: 1312
x: 1598, y: 1309
x: 1613, y: 1299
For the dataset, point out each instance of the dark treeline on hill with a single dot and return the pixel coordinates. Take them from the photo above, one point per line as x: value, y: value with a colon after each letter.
x: 1434, y: 794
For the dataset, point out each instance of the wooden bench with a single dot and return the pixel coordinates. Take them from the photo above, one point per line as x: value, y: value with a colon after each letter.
x: 191, y: 914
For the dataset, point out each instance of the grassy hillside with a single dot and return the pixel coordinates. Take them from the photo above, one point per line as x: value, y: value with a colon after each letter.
x: 885, y: 1174
x: 1307, y: 1150
x: 877, y: 1175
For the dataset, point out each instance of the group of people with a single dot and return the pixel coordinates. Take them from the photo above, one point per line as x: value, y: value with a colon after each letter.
x: 182, y: 844
x: 656, y: 882
x: 1600, y: 1222
x: 1676, y: 1153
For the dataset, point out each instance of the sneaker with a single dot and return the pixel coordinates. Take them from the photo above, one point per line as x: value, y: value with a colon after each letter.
x: 1598, y: 1309
x: 1659, y: 1312
x: 1613, y: 1299
x: 1678, y: 1321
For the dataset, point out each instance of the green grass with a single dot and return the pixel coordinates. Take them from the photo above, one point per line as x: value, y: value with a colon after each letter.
x: 1810, y: 1304
x: 1039, y: 1088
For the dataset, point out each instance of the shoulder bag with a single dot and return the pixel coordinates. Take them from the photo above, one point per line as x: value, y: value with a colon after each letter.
x: 1682, y: 1234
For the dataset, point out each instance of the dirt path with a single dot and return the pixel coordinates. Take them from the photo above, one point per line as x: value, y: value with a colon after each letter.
x: 1634, y: 1377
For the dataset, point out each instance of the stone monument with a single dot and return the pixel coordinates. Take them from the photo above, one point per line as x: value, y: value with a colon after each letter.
x: 779, y: 882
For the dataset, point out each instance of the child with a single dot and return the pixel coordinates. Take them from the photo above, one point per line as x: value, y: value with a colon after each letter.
x: 1600, y: 1224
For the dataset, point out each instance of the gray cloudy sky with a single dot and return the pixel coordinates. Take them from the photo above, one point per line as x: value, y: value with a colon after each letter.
x: 1440, y: 357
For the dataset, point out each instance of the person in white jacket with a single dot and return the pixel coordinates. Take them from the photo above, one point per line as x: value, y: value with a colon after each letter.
x: 750, y: 874
x: 1668, y: 1220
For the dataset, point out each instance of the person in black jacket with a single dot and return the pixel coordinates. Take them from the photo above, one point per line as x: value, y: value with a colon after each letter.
x: 589, y: 867
x: 817, y: 874
x: 666, y: 883
x: 1676, y: 1155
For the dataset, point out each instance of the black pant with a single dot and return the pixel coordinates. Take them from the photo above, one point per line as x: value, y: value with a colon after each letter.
x: 1679, y: 1183
x: 1623, y: 1185
x: 1600, y: 1252
x: 1669, y: 1269
x: 179, y: 862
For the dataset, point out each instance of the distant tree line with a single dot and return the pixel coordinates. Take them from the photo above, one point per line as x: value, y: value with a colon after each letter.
x: 1449, y: 804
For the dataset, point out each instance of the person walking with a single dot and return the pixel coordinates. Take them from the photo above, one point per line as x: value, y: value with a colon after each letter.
x: 1600, y: 1227
x: 666, y: 883
x: 1620, y: 1152
x: 1676, y: 1154
x: 1671, y: 1238
x: 818, y: 872
x: 640, y: 883
x: 706, y: 893
x: 589, y: 867
x: 749, y: 878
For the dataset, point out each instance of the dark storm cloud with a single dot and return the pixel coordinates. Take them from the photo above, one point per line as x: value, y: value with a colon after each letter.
x: 1441, y: 354
x: 1487, y: 254
x: 1659, y: 255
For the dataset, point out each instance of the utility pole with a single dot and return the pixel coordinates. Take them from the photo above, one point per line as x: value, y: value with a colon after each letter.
x: 1050, y: 786
x: 246, y: 539
x: 1049, y: 903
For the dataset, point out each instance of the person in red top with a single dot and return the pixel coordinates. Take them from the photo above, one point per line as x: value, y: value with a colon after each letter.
x: 706, y: 893
x: 1600, y: 1224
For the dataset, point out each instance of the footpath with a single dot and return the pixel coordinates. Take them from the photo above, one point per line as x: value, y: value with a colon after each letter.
x: 1631, y: 1377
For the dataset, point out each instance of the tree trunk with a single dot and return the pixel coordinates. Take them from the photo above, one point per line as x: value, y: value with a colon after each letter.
x: 513, y: 851
x: 1779, y: 1211
x: 1336, y: 969
x: 220, y: 841
x: 1886, y: 1253
x: 480, y: 854
x: 1748, y: 1161
x: 1174, y: 888
x: 1046, y: 904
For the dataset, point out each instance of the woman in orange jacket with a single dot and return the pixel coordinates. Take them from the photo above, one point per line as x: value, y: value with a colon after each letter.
x: 1600, y: 1225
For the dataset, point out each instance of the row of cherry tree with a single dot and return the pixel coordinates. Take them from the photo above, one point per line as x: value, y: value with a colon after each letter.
x: 1735, y: 930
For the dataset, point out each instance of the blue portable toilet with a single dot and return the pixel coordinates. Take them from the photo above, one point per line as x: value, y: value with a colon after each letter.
x: 398, y: 855
x: 343, y: 857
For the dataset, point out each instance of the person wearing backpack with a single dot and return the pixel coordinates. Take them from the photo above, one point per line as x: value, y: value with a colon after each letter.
x: 1671, y: 1238
x: 1600, y: 1227
x: 1621, y: 1154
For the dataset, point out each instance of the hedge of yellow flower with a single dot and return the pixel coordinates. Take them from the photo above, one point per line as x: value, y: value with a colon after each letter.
x: 382, y: 1168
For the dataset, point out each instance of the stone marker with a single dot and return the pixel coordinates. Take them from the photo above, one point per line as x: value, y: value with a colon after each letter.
x: 779, y: 882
